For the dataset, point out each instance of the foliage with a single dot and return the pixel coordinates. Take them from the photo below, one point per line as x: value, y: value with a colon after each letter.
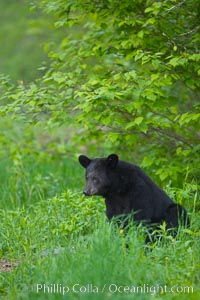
x: 123, y: 78
x: 128, y: 73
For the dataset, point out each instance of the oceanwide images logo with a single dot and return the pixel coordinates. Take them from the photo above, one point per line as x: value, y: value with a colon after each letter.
x: 112, y: 288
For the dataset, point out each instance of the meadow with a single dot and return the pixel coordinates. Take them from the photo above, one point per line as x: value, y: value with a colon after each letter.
x: 104, y: 77
x: 57, y: 244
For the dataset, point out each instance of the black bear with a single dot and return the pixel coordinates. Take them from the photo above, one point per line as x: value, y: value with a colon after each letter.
x: 128, y: 190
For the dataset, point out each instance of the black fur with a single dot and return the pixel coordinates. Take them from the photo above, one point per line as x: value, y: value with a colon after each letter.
x: 128, y: 190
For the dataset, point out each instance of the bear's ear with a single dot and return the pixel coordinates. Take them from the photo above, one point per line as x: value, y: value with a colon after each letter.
x: 112, y: 160
x: 84, y: 161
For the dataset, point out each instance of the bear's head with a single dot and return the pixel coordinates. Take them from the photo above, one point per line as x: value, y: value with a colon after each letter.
x: 99, y: 174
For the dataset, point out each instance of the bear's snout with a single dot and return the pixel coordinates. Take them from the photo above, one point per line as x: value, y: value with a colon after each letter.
x: 86, y: 192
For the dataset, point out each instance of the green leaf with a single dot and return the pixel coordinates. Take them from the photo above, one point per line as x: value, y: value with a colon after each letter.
x: 137, y: 121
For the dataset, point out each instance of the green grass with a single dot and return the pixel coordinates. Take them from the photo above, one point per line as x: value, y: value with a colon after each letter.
x: 98, y: 265
x: 33, y: 164
x: 61, y: 240
x: 66, y: 242
x: 32, y: 178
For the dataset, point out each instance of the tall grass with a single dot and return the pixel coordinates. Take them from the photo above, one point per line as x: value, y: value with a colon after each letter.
x: 61, y: 243
x: 33, y: 163
x: 65, y: 245
x: 99, y: 266
x: 26, y: 179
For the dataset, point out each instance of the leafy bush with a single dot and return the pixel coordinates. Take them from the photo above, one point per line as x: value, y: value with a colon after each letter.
x: 127, y: 77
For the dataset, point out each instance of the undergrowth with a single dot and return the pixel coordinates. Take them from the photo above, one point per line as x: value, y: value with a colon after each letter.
x: 66, y: 249
x: 60, y: 245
